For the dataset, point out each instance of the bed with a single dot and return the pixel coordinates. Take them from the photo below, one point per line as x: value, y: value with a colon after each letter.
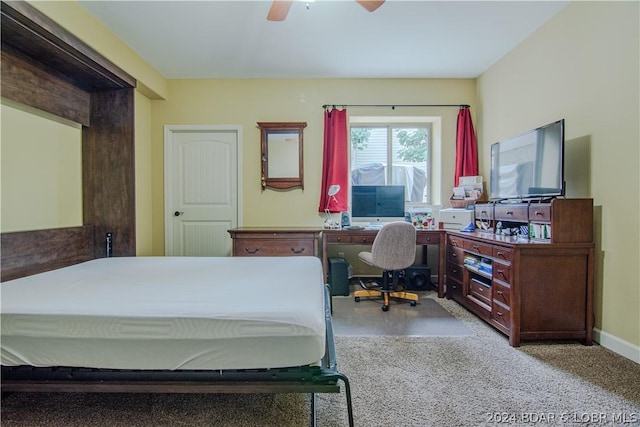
x: 172, y: 325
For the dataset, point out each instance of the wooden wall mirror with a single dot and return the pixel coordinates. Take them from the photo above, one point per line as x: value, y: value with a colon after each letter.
x: 281, y: 154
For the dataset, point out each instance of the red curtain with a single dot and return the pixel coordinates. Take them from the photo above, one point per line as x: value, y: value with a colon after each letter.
x: 466, y: 146
x: 335, y: 161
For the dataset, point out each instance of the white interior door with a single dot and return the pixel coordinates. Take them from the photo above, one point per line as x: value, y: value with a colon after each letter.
x: 202, y: 182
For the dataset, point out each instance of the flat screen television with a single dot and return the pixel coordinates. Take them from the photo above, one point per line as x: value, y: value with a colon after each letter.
x: 529, y: 166
x: 377, y: 203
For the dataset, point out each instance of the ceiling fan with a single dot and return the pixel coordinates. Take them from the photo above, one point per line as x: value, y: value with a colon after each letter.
x: 280, y: 8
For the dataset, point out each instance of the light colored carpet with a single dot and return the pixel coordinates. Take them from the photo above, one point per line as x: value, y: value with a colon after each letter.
x: 396, y: 381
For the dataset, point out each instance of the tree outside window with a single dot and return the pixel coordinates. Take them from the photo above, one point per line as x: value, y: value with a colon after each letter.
x: 392, y: 155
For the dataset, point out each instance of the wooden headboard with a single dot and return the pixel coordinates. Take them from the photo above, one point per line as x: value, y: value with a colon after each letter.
x: 24, y: 253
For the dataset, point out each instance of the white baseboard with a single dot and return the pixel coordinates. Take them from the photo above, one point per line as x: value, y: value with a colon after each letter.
x: 617, y: 345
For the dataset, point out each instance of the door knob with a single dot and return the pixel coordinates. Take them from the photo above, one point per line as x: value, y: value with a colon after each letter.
x: 178, y: 213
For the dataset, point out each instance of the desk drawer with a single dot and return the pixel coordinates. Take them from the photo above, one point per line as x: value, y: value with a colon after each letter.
x: 337, y: 238
x: 455, y: 255
x: 502, y: 272
x: 510, y: 212
x: 501, y: 293
x: 363, y: 239
x: 423, y: 238
x: 456, y: 241
x: 454, y: 271
x: 501, y: 314
x: 484, y: 212
x: 540, y: 213
x: 502, y: 253
x: 480, y: 291
x: 273, y: 247
x: 479, y: 248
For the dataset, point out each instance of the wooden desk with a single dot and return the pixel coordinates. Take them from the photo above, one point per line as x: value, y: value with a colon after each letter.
x: 366, y: 237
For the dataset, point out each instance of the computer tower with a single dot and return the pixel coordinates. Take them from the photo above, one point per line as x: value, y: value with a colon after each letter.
x: 418, y: 278
x: 338, y: 276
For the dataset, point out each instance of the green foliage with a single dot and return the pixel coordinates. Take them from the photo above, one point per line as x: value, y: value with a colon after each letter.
x: 359, y: 138
x: 414, y: 145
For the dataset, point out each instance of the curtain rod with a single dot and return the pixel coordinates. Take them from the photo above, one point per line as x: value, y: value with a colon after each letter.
x: 393, y: 106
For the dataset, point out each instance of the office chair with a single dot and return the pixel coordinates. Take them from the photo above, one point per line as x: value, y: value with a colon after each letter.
x: 393, y: 250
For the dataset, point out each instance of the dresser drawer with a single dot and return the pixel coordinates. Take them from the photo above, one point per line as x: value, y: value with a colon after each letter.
x: 502, y: 253
x: 501, y: 294
x: 540, y: 212
x: 273, y: 247
x: 454, y: 288
x: 456, y: 241
x: 479, y: 248
x: 502, y: 271
x: 454, y: 271
x: 512, y: 213
x: 501, y: 314
x: 455, y: 255
x: 484, y: 212
x: 480, y: 291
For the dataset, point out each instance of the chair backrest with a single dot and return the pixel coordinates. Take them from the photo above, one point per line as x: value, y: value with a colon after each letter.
x: 394, y: 247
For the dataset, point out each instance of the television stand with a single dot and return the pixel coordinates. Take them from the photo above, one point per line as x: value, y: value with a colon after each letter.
x: 533, y: 287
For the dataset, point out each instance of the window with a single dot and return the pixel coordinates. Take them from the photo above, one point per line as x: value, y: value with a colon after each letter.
x: 393, y: 154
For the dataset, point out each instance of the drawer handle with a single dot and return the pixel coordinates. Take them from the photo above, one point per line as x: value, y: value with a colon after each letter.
x: 480, y: 289
x: 499, y: 292
x: 251, y: 250
x: 509, y: 212
x: 339, y: 239
x: 364, y: 239
x: 499, y: 313
x: 453, y: 255
x: 475, y: 247
x: 501, y: 272
x: 500, y: 254
x: 537, y: 213
x: 454, y: 270
x: 297, y: 251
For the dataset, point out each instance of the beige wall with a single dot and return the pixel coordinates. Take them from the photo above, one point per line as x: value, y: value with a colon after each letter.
x: 41, y: 183
x: 583, y: 66
x: 245, y: 102
x: 143, y: 149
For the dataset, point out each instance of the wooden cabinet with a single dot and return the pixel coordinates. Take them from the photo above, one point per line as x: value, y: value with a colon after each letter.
x: 529, y: 288
x: 275, y: 241
x: 556, y: 221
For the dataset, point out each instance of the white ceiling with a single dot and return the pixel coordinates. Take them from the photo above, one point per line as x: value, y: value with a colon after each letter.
x: 330, y: 39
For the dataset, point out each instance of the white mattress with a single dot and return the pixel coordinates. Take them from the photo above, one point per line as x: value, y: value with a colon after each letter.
x: 167, y: 313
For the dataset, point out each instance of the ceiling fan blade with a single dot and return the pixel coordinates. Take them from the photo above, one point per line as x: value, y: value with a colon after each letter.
x: 370, y: 5
x: 279, y: 10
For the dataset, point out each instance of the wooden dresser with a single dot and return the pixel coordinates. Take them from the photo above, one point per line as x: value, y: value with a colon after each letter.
x: 528, y: 287
x: 275, y: 241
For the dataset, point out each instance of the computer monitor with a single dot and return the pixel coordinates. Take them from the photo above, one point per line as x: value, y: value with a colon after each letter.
x: 377, y: 203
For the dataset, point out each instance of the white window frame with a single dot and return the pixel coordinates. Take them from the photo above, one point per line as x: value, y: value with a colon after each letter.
x: 434, y: 154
